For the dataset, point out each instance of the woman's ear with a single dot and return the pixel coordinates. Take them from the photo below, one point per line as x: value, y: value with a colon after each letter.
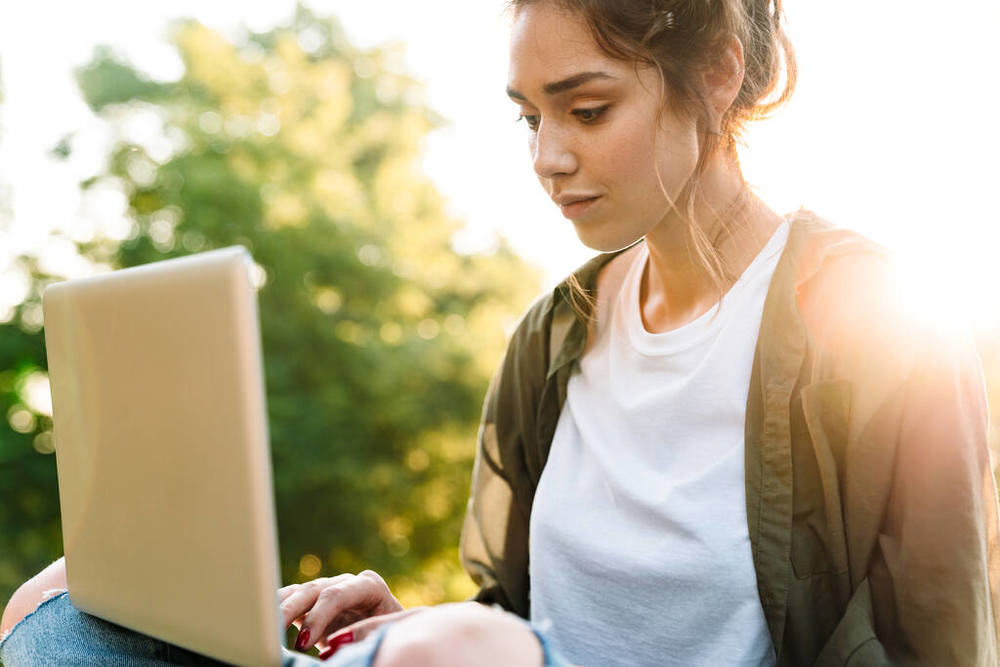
x: 723, y: 79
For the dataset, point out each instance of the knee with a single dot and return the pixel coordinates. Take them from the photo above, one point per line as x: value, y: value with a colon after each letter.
x: 32, y: 593
x: 459, y: 634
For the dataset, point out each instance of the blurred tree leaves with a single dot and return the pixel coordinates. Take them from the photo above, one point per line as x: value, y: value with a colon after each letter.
x: 108, y: 81
x: 379, y: 339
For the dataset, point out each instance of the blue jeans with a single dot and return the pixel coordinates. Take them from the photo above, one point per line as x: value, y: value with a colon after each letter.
x: 56, y: 633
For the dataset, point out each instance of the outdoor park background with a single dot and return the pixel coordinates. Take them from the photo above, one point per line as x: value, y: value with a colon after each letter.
x: 398, y: 230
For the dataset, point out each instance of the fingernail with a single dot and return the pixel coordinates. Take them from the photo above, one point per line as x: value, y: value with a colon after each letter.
x: 302, y: 640
x: 335, y: 643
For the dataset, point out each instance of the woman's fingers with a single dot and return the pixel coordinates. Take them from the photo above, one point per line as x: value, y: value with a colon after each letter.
x: 358, y: 631
x: 285, y: 591
x: 297, y: 599
x: 341, y: 602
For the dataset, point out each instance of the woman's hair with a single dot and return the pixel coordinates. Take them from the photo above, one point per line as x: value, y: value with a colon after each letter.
x: 680, y: 38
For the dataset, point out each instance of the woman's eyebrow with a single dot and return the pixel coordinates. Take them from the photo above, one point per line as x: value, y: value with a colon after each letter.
x: 562, y: 86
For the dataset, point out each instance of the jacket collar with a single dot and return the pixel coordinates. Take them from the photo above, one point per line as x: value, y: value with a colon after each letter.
x: 811, y: 242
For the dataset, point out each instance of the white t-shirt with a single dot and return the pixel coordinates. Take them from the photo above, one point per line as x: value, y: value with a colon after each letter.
x: 640, y: 552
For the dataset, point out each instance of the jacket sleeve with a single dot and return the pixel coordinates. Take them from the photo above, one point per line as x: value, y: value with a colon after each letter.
x: 929, y: 593
x: 494, y: 543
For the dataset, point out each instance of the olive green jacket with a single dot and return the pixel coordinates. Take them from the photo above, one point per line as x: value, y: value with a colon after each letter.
x: 871, y: 505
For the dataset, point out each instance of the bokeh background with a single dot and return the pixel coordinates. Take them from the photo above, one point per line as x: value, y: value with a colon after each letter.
x: 366, y: 155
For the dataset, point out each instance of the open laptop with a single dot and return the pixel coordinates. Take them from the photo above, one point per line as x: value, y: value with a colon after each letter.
x: 162, y: 453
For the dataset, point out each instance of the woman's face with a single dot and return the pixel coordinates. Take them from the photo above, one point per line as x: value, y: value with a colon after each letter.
x: 597, y: 136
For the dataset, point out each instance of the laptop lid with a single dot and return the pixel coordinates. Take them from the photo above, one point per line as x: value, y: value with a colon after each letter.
x: 162, y: 453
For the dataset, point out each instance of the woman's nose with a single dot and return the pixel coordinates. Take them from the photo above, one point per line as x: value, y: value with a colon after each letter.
x: 552, y: 152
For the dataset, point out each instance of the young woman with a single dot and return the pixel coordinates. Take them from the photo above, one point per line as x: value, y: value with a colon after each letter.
x: 719, y: 442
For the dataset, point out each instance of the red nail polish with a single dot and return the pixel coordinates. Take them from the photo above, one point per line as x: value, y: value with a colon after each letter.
x: 302, y: 640
x: 335, y: 643
x: 340, y: 640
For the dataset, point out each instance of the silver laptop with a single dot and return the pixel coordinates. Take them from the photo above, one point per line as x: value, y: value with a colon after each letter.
x: 162, y: 454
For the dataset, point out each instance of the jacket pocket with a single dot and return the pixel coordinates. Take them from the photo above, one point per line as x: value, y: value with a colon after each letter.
x: 853, y: 642
x: 818, y: 541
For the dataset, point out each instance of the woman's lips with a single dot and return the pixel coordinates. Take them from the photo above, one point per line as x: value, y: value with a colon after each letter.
x: 577, y: 208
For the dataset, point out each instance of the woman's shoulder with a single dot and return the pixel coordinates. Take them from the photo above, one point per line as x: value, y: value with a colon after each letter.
x: 573, y: 297
x: 819, y: 244
x: 853, y: 303
x: 555, y: 325
x: 823, y: 262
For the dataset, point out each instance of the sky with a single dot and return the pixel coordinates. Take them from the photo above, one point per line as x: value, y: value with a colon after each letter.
x: 890, y: 131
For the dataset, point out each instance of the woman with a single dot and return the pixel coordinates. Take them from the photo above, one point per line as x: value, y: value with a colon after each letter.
x: 718, y: 441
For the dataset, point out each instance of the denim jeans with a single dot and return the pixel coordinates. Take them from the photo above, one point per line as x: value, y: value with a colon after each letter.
x: 56, y: 633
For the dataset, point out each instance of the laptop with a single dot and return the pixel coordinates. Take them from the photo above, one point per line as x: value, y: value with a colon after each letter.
x: 162, y: 454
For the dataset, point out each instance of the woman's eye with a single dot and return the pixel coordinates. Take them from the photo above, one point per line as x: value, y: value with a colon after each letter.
x: 530, y: 119
x: 585, y: 116
x: 589, y: 115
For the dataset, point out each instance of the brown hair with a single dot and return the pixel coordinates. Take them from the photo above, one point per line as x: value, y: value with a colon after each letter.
x: 680, y: 38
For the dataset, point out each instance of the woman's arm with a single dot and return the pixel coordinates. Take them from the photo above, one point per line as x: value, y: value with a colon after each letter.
x: 930, y: 590
x: 460, y: 634
x: 939, y: 567
x: 494, y: 543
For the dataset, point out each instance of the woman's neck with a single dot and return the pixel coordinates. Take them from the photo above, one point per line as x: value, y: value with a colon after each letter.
x: 676, y: 288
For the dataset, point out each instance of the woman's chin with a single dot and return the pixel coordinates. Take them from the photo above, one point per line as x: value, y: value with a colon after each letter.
x: 603, y: 241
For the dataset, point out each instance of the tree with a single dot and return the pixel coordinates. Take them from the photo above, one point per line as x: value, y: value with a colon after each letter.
x: 29, y: 514
x: 379, y: 339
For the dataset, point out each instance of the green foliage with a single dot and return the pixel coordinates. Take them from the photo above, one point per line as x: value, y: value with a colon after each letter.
x: 29, y: 511
x: 108, y: 81
x: 379, y: 339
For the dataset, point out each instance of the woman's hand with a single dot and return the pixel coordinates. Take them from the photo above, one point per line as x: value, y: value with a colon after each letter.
x: 323, y: 606
x: 358, y: 631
